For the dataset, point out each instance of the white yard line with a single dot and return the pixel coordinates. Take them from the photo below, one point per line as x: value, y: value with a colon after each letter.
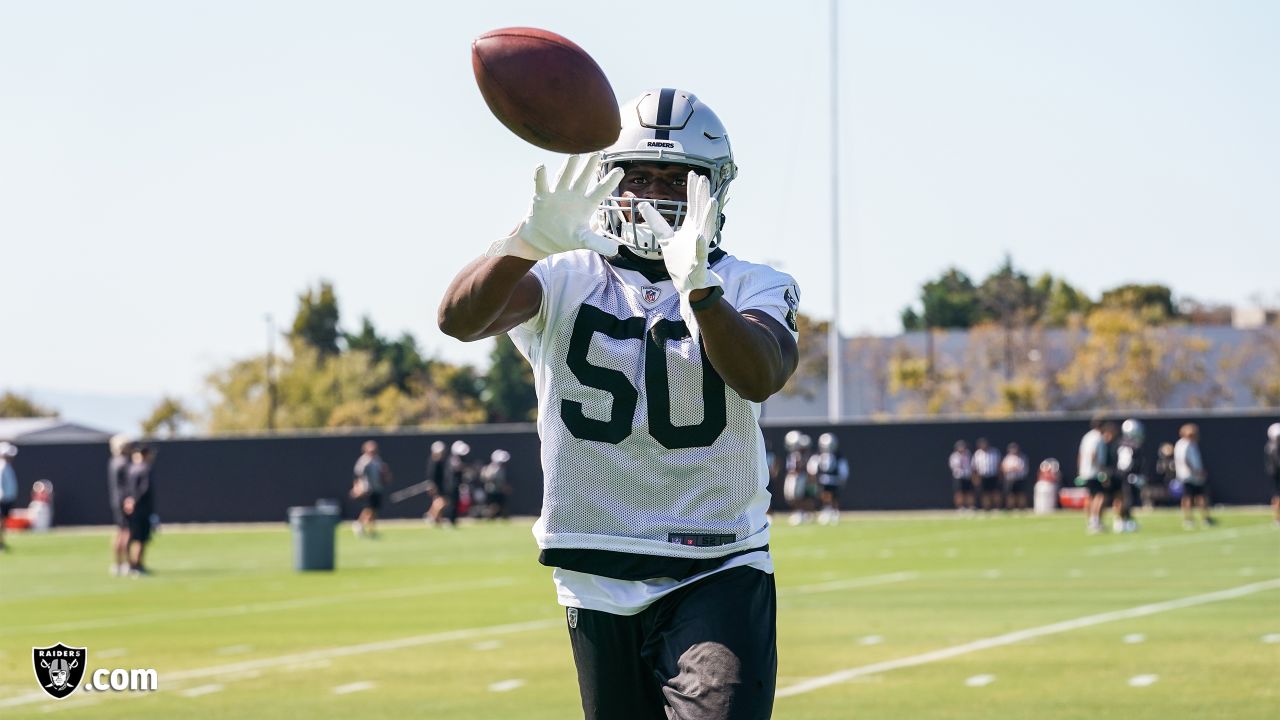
x: 199, y: 690
x: 837, y: 585
x: 1021, y: 635
x: 321, y: 654
x: 250, y: 608
x: 353, y: 687
x: 506, y: 685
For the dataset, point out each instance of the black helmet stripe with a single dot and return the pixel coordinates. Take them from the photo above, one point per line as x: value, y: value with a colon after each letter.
x: 665, y: 101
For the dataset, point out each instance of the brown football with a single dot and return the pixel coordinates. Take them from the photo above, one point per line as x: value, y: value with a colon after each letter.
x: 546, y: 89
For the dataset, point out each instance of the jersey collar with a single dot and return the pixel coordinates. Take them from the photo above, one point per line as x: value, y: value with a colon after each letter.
x: 653, y: 270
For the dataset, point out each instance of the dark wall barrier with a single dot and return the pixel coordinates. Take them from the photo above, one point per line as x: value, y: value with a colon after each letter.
x: 893, y: 465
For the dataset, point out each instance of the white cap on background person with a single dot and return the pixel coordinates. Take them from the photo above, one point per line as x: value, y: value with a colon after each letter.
x: 460, y: 448
x: 500, y: 456
x: 8, y: 450
x: 1273, y: 432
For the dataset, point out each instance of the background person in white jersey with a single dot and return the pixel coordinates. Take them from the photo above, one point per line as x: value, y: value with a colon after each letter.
x: 1189, y: 466
x: 651, y: 350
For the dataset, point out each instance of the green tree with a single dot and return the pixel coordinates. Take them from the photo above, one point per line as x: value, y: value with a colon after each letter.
x: 1060, y: 301
x: 13, y: 405
x: 951, y: 301
x: 402, y: 355
x: 509, y: 394
x: 168, y: 418
x: 1007, y: 299
x: 1153, y: 303
x: 316, y: 322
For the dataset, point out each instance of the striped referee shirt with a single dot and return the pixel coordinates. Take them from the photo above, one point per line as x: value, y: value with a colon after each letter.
x: 986, y: 462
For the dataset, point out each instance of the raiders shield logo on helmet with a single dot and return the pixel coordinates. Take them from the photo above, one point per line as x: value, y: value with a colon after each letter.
x: 59, y: 669
x: 572, y: 614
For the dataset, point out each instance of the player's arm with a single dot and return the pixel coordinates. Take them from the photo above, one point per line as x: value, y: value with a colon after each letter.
x: 752, y: 352
x: 488, y: 297
x: 496, y: 292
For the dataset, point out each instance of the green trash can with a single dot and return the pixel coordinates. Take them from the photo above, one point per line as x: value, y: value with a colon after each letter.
x: 313, y: 529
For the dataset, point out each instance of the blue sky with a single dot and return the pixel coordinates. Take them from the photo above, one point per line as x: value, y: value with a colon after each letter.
x: 170, y: 172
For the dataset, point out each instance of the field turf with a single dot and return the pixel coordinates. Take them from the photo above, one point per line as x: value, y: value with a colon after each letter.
x: 884, y: 616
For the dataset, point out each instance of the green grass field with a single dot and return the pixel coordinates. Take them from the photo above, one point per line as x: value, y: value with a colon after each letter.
x: 916, y: 609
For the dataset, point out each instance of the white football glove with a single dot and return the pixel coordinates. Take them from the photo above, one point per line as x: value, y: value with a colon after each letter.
x: 685, y: 251
x: 559, y: 217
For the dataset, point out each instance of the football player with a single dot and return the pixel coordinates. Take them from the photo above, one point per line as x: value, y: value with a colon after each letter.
x: 797, y: 486
x: 832, y: 471
x: 652, y: 349
x: 1133, y: 476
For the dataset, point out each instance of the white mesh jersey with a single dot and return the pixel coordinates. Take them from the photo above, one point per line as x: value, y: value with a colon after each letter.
x: 644, y: 448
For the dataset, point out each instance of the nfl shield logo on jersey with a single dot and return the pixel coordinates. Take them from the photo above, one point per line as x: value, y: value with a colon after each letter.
x: 650, y: 294
x: 572, y: 614
x: 59, y: 669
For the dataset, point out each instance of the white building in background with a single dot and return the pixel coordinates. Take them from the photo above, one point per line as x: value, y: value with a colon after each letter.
x: 1232, y: 358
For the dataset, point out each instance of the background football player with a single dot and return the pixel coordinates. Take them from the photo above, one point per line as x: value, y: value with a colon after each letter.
x: 651, y: 349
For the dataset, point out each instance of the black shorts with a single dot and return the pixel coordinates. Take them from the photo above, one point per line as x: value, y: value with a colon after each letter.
x: 1017, y: 487
x: 990, y: 484
x: 834, y: 489
x: 373, y: 499
x: 5, y: 508
x: 963, y: 484
x: 708, y: 650
x: 1190, y: 489
x: 140, y: 526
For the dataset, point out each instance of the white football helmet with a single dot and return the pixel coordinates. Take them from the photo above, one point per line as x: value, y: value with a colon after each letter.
x: 1133, y: 431
x: 667, y: 126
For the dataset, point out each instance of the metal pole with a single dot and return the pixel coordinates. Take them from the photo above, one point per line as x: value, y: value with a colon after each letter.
x: 835, y: 397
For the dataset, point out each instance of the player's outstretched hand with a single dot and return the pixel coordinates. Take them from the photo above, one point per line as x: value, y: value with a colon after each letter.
x: 685, y: 251
x: 559, y: 216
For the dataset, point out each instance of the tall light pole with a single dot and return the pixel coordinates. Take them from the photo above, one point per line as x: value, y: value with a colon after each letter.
x: 835, y: 397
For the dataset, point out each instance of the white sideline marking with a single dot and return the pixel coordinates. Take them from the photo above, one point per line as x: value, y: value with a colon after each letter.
x: 317, y: 665
x: 836, y: 585
x: 1143, y: 680
x: 249, y: 608
x: 199, y: 690
x: 506, y: 685
x: 1020, y: 635
x: 70, y: 704
x: 109, y: 653
x: 324, y: 654
x: 233, y: 649
x: 871, y: 640
x: 980, y: 680
x: 1271, y: 638
x: 1134, y: 638
x: 487, y: 645
x: 353, y: 687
